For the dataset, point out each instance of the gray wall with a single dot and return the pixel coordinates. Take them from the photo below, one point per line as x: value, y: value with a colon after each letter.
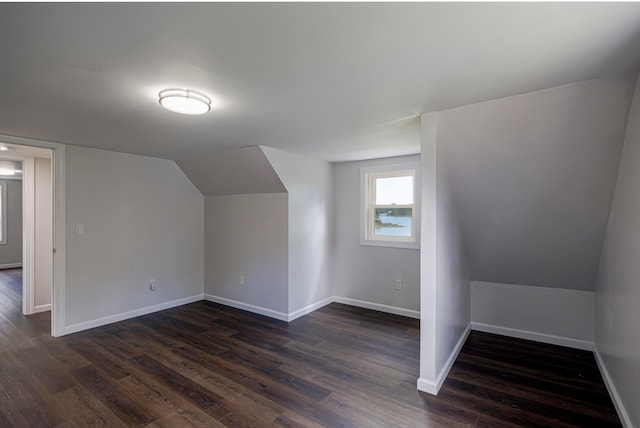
x: 246, y: 235
x: 552, y: 315
x: 309, y: 187
x: 533, y: 177
x: 11, y: 252
x: 617, y: 293
x: 445, y: 313
x: 368, y: 273
x: 143, y: 219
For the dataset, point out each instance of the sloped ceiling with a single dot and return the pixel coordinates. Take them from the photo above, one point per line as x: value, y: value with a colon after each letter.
x: 233, y: 172
x: 533, y: 177
x: 336, y: 81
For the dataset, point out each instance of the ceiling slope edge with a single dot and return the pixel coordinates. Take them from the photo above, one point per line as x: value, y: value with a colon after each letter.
x: 233, y: 172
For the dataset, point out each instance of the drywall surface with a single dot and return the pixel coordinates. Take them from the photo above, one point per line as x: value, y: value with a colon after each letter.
x: 444, y: 280
x: 142, y: 219
x: 533, y: 177
x: 246, y: 236
x: 534, y: 312
x: 43, y: 233
x: 233, y: 172
x: 11, y: 252
x: 453, y: 295
x: 617, y: 293
x: 428, y: 233
x: 364, y: 272
x: 310, y: 203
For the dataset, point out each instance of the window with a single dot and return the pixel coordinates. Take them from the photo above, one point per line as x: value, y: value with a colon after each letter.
x: 389, y: 207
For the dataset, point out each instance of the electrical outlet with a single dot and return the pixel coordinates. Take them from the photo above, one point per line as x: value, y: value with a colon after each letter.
x: 242, y: 280
x: 398, y: 284
x: 152, y: 284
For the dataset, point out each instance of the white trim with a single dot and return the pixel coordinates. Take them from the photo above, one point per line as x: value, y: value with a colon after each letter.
x: 247, y: 307
x: 390, y: 242
x: 74, y: 328
x: 532, y: 335
x: 28, y: 235
x: 432, y: 387
x: 314, y: 306
x: 58, y: 297
x: 10, y: 265
x: 42, y: 308
x: 378, y: 307
x: 613, y: 392
x: 308, y: 309
x: 3, y: 208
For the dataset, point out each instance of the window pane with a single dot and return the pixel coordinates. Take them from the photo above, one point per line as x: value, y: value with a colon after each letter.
x: 393, y: 221
x: 394, y: 190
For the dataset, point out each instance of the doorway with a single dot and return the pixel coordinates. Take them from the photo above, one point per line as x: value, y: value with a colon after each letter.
x: 33, y: 165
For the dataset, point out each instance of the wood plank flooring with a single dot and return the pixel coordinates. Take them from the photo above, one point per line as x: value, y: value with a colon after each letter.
x: 207, y: 365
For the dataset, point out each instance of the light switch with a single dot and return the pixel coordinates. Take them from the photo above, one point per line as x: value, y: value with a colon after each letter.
x: 79, y: 229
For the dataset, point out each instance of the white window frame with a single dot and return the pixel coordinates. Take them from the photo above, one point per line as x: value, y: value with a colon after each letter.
x: 367, y: 189
x: 3, y: 212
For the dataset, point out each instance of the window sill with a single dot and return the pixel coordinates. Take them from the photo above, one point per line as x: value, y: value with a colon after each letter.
x: 390, y: 244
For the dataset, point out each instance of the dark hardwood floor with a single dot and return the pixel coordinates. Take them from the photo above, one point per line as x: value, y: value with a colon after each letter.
x: 208, y: 365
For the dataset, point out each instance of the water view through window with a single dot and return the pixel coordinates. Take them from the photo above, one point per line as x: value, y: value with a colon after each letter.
x: 390, y: 220
x: 393, y: 222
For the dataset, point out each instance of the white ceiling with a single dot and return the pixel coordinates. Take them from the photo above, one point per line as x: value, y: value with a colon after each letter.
x: 336, y: 81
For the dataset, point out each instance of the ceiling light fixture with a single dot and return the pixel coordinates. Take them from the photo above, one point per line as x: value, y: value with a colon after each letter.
x: 185, y: 101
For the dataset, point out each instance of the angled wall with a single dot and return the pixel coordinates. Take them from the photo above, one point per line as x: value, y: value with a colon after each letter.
x: 245, y: 230
x: 309, y: 187
x: 617, y: 293
x: 267, y: 229
x: 533, y: 177
x: 232, y: 172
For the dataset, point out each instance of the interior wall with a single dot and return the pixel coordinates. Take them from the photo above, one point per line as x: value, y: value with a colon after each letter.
x: 369, y: 273
x: 43, y: 234
x: 11, y: 252
x: 309, y: 185
x: 515, y: 310
x: 453, y: 293
x: 617, y: 292
x: 143, y: 219
x: 247, y: 235
x: 533, y: 177
x: 445, y: 314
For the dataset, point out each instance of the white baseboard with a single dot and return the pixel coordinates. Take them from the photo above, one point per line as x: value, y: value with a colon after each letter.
x: 433, y: 387
x: 377, y: 307
x: 74, y: 328
x: 308, y: 309
x: 531, y: 335
x: 11, y: 265
x: 247, y: 307
x: 41, y: 308
x: 613, y: 392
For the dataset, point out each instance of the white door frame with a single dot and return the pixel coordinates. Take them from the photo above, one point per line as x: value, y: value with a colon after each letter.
x: 59, y: 228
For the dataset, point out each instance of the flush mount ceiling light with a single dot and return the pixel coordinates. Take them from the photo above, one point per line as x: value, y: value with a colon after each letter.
x: 185, y: 101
